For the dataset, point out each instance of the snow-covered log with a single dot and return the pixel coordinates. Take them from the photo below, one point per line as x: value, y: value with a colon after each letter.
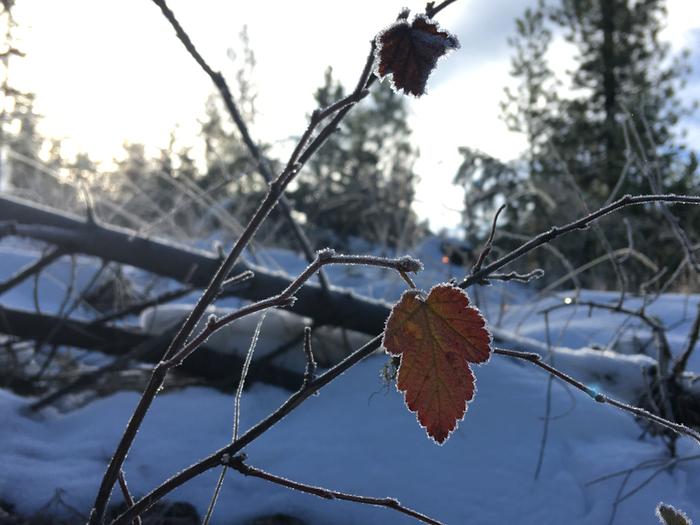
x: 339, y: 307
x: 215, y: 366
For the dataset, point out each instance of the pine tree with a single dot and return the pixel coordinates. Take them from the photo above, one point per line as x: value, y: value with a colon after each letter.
x: 606, y: 129
x: 361, y: 182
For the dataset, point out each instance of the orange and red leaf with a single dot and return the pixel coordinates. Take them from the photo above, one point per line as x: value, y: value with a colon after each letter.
x: 436, y: 338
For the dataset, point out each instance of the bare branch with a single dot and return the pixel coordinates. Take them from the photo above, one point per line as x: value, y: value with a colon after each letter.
x: 127, y: 495
x: 579, y: 224
x: 31, y: 269
x: 431, y: 9
x: 489, y: 243
x: 536, y: 360
x: 310, y: 371
x: 682, y: 361
x: 286, y: 297
x: 238, y: 463
x: 537, y: 273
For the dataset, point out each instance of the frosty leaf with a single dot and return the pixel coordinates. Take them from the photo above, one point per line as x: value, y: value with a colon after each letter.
x: 671, y: 516
x: 437, y: 338
x: 409, y: 52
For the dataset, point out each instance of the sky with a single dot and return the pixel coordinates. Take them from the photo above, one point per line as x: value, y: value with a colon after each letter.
x: 108, y: 72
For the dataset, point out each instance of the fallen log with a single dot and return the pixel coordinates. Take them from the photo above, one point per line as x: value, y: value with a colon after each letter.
x: 214, y: 366
x: 338, y: 307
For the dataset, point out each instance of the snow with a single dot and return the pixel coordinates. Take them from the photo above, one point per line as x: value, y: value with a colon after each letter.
x: 357, y: 435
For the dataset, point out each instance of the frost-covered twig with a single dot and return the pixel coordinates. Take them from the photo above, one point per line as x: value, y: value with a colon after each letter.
x: 286, y: 297
x: 236, y: 415
x: 127, y: 495
x: 238, y: 463
x: 579, y: 224
x: 682, y: 361
x: 537, y: 273
x: 536, y: 359
x: 548, y: 401
x: 489, y: 242
x: 310, y: 370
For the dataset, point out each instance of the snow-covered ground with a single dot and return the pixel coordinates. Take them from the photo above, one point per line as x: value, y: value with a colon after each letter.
x: 357, y: 435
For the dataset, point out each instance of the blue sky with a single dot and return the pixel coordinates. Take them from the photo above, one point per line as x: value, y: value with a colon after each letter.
x: 106, y: 72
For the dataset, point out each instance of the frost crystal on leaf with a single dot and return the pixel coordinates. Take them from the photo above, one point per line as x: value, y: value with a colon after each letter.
x: 437, y: 338
x: 409, y: 52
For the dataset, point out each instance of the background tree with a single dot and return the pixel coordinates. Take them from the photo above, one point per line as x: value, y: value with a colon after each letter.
x: 606, y: 128
x: 22, y: 146
x: 361, y: 182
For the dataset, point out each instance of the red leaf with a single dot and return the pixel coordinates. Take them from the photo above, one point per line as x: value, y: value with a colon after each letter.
x: 437, y: 338
x: 410, y: 52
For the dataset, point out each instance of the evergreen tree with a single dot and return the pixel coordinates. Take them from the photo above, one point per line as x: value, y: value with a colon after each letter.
x: 361, y: 182
x: 608, y: 128
x: 22, y: 169
x: 18, y: 121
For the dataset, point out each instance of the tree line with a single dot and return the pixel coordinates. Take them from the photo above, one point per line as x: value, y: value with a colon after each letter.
x: 608, y: 127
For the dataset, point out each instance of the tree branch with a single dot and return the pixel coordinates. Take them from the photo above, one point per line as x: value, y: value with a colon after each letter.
x: 238, y: 463
x: 31, y: 269
x: 536, y: 360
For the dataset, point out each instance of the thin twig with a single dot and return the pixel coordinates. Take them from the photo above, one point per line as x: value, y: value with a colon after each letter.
x: 579, y: 224
x: 489, y: 243
x: 548, y: 401
x: 238, y: 463
x: 682, y: 361
x: 127, y: 495
x: 310, y: 370
x: 31, y: 269
x: 536, y: 359
x: 286, y: 297
x: 431, y: 9
x: 244, y: 374
x: 236, y: 415
x: 537, y: 273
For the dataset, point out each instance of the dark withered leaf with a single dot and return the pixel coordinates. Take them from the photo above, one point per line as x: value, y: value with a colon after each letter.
x: 409, y: 52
